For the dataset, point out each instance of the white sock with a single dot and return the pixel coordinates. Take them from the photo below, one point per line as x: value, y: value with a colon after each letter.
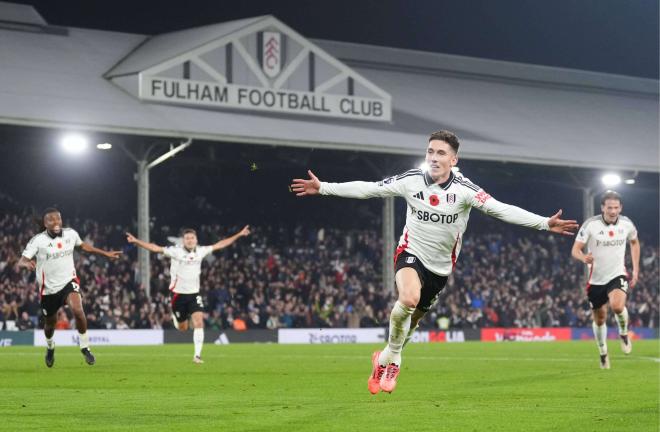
x: 399, y: 327
x: 622, y: 321
x: 198, y: 339
x: 600, y: 333
x: 83, y: 340
x: 50, y: 343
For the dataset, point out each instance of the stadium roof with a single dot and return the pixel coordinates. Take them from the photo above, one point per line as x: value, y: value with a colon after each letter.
x: 81, y: 78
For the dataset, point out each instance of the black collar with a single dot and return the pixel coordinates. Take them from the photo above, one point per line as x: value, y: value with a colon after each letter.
x: 54, y: 236
x: 446, y: 184
x: 602, y: 217
x: 429, y: 180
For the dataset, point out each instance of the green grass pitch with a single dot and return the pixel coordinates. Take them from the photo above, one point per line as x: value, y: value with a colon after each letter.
x: 269, y: 387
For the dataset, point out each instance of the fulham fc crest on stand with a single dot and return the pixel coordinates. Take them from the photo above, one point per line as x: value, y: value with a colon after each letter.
x: 271, y: 57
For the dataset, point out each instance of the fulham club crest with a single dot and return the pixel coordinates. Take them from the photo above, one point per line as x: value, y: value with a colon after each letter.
x: 271, y: 49
x: 451, y: 198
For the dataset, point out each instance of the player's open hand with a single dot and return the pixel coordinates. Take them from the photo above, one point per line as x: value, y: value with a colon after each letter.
x: 25, y: 263
x: 634, y: 279
x: 245, y: 231
x: 130, y: 238
x: 561, y: 226
x: 302, y: 187
x: 113, y: 255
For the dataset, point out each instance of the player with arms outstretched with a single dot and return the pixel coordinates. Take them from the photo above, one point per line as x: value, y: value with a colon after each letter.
x: 605, y: 236
x: 56, y: 275
x: 185, y: 269
x: 439, y: 204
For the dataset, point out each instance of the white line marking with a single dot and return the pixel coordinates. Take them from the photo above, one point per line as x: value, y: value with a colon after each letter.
x: 655, y: 359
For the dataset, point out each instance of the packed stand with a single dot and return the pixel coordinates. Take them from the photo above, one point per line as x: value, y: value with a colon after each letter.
x: 310, y: 277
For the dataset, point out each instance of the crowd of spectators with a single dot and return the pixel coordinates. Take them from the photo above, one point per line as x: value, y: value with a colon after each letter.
x: 320, y: 277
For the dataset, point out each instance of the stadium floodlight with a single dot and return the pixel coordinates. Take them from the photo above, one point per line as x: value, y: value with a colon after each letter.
x: 74, y: 143
x: 610, y: 180
x: 455, y: 169
x: 424, y: 166
x: 630, y: 181
x: 104, y: 146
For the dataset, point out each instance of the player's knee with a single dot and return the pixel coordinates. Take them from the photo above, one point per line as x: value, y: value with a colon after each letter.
x: 618, y: 308
x: 79, y: 315
x: 183, y: 326
x: 409, y: 300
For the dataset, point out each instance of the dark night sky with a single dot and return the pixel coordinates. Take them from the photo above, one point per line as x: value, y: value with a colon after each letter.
x: 613, y: 36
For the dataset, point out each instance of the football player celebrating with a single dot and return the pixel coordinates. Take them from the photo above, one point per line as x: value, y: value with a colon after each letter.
x: 186, y: 266
x: 439, y: 204
x: 56, y: 275
x: 605, y: 236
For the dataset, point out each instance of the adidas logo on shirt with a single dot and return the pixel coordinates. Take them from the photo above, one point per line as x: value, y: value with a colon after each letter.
x: 419, y: 195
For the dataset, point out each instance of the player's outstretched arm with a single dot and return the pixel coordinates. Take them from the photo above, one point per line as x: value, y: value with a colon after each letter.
x: 577, y: 253
x: 151, y: 247
x: 111, y: 255
x: 392, y: 186
x: 634, y: 254
x: 561, y: 226
x: 302, y: 187
x: 518, y: 216
x: 229, y: 240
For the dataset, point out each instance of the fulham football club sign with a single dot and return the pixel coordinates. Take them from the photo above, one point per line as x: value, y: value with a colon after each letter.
x: 262, y: 66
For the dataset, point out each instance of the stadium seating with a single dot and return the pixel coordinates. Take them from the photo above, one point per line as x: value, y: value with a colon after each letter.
x: 324, y: 277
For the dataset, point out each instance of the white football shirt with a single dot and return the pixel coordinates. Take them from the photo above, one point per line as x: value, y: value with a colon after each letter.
x: 437, y: 213
x: 54, y: 259
x: 186, y: 267
x: 607, y: 244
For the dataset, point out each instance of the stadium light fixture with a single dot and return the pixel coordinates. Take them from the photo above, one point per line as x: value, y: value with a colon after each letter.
x: 610, y: 180
x: 424, y: 166
x: 74, y: 143
x: 630, y: 181
x: 104, y: 146
x: 455, y: 169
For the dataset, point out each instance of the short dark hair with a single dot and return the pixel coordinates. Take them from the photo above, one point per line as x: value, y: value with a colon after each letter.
x: 188, y: 231
x: 447, y: 137
x: 610, y: 195
x: 48, y: 210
